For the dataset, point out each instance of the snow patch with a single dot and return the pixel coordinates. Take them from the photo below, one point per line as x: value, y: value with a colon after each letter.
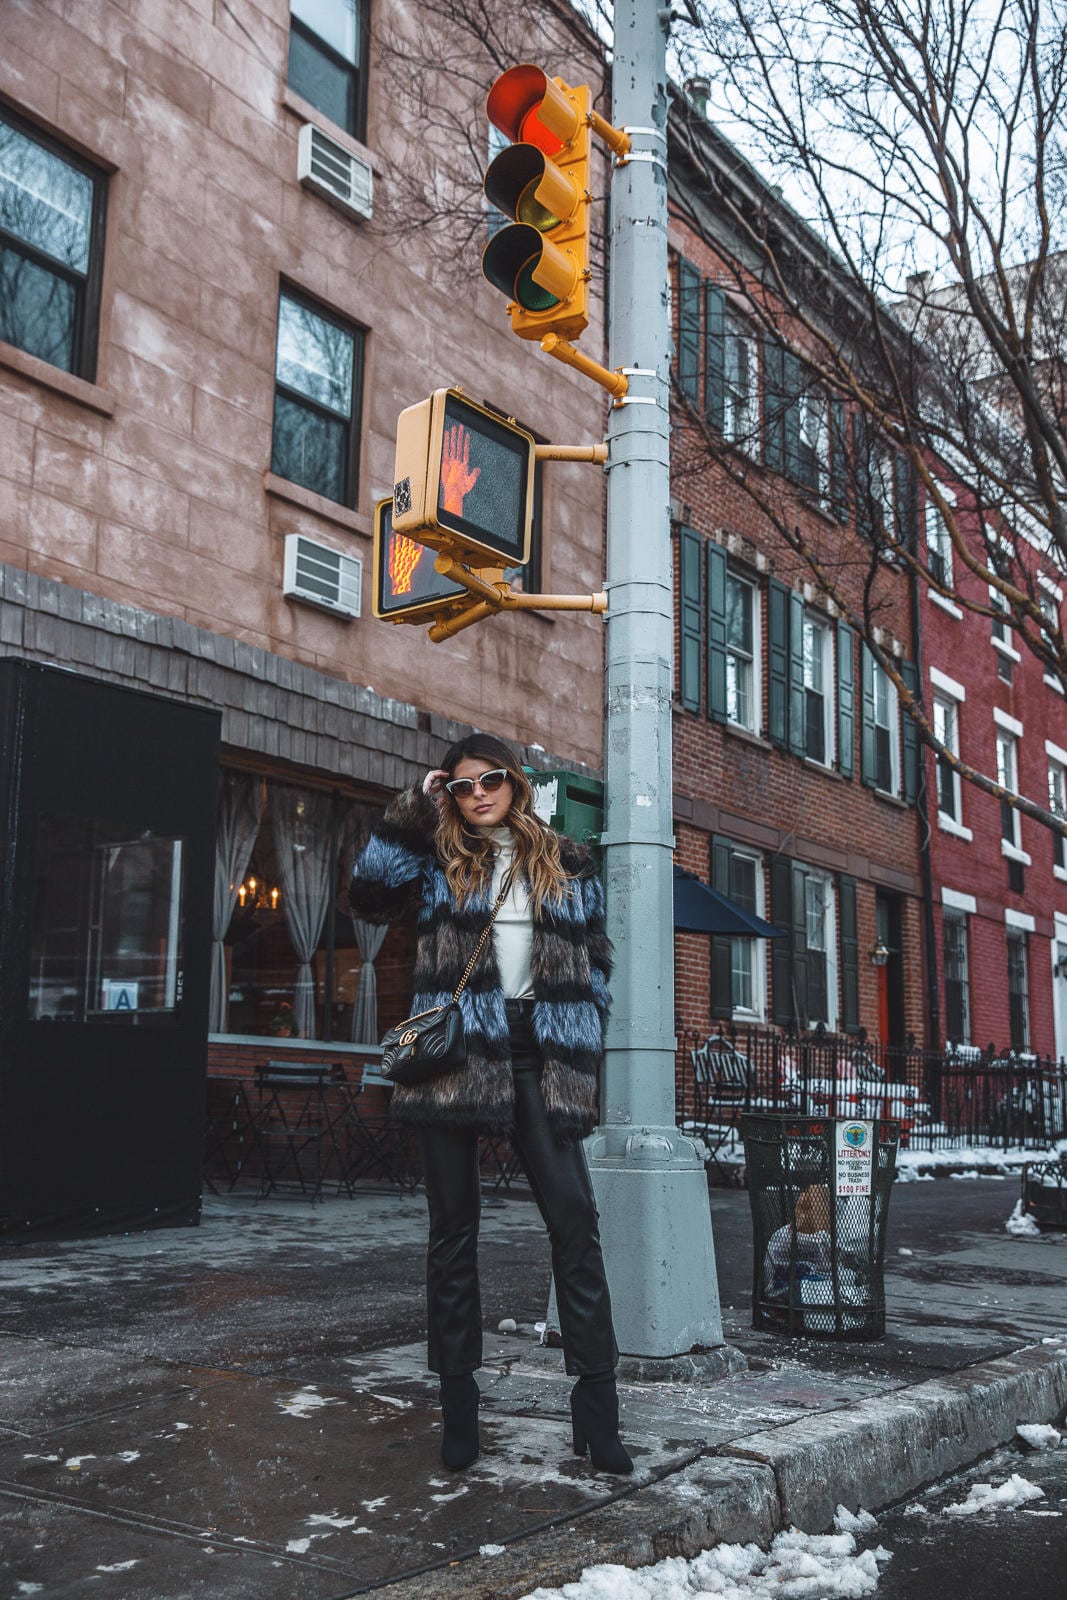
x: 298, y: 1547
x: 129, y: 1455
x: 1039, y: 1435
x: 1005, y: 1497
x: 324, y: 1519
x: 507, y: 1325
x: 74, y: 1463
x: 118, y: 1566
x: 374, y: 1505
x: 860, y: 1522
x: 491, y: 1549
x: 304, y: 1403
x: 798, y: 1566
x: 1022, y: 1226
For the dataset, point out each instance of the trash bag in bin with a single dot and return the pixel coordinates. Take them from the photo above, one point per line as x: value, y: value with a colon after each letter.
x: 818, y: 1251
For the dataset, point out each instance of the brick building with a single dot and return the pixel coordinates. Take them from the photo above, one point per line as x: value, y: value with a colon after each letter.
x: 796, y: 778
x: 209, y: 321
x: 999, y: 878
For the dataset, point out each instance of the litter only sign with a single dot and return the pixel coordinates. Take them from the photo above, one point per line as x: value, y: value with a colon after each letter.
x: 854, y: 1156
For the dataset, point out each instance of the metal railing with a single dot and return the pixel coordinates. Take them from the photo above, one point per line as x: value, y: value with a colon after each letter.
x: 943, y: 1099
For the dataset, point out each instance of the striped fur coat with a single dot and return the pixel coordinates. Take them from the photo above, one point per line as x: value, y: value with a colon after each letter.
x: 398, y: 872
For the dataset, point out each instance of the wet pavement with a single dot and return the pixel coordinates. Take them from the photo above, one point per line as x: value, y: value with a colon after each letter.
x: 243, y: 1408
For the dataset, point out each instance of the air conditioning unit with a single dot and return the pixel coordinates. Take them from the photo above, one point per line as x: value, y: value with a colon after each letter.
x: 334, y: 172
x: 322, y: 577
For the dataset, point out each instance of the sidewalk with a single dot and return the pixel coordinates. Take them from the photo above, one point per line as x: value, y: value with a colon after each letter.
x: 242, y: 1409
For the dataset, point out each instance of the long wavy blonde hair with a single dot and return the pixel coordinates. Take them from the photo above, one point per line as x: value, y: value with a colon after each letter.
x: 467, y: 853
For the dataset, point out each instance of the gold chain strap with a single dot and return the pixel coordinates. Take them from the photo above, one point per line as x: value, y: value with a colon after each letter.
x: 486, y: 931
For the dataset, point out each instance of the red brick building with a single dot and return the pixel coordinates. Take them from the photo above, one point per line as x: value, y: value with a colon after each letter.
x: 796, y: 778
x: 999, y: 878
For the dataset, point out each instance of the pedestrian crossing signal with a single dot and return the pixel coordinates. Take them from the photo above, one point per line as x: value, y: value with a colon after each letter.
x: 464, y: 481
x: 406, y: 586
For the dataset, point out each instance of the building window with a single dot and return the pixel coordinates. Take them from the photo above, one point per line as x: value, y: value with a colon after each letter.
x: 1018, y: 999
x: 738, y: 980
x: 1001, y: 633
x: 886, y: 734
x: 742, y: 689
x: 818, y: 669
x: 947, y: 731
x: 939, y: 541
x: 327, y: 48
x: 813, y: 443
x: 818, y: 916
x: 740, y: 383
x: 1057, y: 804
x: 51, y: 250
x: 957, y: 983
x: 1008, y: 778
x: 317, y: 400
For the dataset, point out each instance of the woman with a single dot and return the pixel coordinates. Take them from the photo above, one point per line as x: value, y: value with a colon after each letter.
x: 533, y: 1013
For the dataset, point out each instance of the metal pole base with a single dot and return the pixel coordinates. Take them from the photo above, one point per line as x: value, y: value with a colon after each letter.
x: 652, y: 1195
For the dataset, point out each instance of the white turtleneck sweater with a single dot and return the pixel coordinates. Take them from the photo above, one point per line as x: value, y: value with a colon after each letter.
x: 513, y: 928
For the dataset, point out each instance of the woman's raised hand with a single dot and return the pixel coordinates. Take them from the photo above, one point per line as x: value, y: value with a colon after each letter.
x: 432, y: 786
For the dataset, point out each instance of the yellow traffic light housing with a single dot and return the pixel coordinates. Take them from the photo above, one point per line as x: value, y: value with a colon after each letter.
x: 407, y: 586
x: 542, y: 181
x: 464, y: 481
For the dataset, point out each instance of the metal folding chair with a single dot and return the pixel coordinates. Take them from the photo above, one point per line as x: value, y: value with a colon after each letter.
x: 377, y: 1146
x: 724, y: 1081
x: 294, y: 1125
x: 229, y: 1129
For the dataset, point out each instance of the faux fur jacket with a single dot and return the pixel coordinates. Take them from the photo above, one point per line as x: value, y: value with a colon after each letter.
x: 398, y: 872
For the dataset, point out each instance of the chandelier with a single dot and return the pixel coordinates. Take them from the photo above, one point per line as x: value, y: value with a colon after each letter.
x: 255, y: 895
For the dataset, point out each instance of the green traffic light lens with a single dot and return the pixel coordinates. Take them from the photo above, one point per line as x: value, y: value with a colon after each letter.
x: 529, y: 209
x: 530, y: 295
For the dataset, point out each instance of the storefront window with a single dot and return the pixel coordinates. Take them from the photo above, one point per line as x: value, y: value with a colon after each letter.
x: 106, y: 940
x: 297, y: 965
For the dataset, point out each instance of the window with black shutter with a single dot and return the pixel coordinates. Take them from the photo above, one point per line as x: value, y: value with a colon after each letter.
x: 846, y: 701
x: 737, y: 965
x: 778, y: 664
x: 689, y: 321
x: 850, y: 968
x: 691, y: 607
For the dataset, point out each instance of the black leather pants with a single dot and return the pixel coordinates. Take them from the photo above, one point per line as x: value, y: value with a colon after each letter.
x: 560, y: 1183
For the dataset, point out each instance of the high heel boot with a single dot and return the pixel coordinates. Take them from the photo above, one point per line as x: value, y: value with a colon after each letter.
x: 595, y: 1422
x: 459, y: 1404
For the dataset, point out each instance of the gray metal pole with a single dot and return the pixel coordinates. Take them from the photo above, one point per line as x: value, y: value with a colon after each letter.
x: 649, y: 1179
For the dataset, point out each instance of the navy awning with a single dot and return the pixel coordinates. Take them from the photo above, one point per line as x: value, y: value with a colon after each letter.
x: 698, y: 909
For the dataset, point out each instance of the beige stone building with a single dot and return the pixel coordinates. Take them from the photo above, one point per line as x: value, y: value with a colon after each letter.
x: 211, y: 313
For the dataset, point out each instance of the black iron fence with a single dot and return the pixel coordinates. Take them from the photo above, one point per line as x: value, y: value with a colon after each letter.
x: 942, y: 1099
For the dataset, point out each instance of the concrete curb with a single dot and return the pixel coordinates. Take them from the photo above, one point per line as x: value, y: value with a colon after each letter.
x: 887, y: 1448
x: 871, y: 1455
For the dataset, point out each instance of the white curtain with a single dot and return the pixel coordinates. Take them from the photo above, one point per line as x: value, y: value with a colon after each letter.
x: 369, y: 937
x: 240, y: 813
x: 304, y: 846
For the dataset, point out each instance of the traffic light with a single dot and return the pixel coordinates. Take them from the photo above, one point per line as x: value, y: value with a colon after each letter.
x: 406, y: 586
x: 541, y: 259
x: 464, y: 481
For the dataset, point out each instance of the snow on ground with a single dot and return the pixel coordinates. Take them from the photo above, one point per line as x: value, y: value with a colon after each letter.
x: 1014, y: 1492
x: 798, y: 1566
x: 1022, y: 1226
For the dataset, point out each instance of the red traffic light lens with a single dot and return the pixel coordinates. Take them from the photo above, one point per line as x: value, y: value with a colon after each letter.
x: 525, y: 104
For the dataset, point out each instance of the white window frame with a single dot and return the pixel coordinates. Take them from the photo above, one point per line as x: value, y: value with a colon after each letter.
x: 1057, y: 800
x: 1013, y: 934
x: 751, y: 662
x: 754, y: 948
x: 740, y: 422
x: 813, y: 437
x: 938, y: 537
x: 820, y: 629
x: 891, y: 707
x: 829, y: 925
x: 949, y: 734
x: 1007, y: 754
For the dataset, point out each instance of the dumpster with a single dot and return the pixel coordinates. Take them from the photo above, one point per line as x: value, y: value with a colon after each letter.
x: 819, y: 1191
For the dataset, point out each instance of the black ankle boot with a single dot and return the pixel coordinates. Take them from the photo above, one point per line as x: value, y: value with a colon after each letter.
x: 595, y: 1422
x: 459, y: 1403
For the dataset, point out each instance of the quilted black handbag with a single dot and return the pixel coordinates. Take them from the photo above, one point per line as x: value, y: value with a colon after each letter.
x: 431, y: 1042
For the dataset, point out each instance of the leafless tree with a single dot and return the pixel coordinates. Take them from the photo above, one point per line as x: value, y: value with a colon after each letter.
x: 918, y: 269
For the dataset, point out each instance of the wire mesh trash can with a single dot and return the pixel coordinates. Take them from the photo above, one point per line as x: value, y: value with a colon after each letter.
x: 1045, y: 1193
x: 819, y: 1191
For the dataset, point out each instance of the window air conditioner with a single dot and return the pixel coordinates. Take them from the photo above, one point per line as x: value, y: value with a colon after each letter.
x: 334, y: 172
x: 322, y: 577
